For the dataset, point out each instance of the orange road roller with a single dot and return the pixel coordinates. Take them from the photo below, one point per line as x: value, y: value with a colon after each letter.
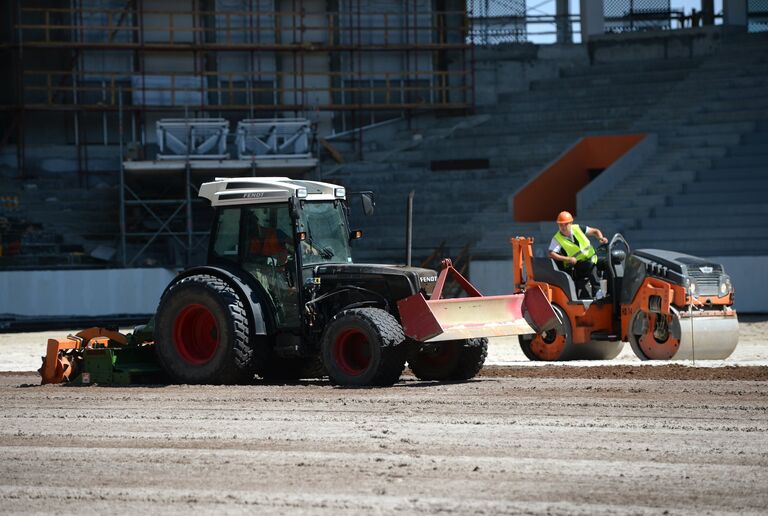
x: 667, y: 305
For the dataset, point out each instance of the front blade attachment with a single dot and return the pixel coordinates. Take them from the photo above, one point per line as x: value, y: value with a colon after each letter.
x: 438, y: 319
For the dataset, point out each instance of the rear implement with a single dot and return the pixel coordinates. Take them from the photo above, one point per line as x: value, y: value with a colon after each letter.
x: 101, y: 356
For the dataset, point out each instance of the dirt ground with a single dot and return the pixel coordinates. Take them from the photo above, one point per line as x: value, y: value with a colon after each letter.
x: 617, y: 437
x: 519, y: 440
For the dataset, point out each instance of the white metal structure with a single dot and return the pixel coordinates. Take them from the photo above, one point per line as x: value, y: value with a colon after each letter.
x: 266, y: 138
x: 256, y: 190
x: 192, y: 138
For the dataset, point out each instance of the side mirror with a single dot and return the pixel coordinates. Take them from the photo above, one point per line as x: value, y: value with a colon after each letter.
x: 355, y: 234
x: 368, y: 203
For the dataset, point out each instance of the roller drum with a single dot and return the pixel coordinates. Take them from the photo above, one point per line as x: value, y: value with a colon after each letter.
x: 707, y: 338
x: 711, y: 336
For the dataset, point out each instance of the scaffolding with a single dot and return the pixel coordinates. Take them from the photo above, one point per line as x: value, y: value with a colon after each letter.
x: 158, y: 196
x: 127, y: 76
x: 362, y: 62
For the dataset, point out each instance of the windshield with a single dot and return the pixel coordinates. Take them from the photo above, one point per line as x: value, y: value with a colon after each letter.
x: 327, y: 233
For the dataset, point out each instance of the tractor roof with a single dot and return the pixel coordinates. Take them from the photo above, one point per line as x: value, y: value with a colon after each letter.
x: 227, y: 191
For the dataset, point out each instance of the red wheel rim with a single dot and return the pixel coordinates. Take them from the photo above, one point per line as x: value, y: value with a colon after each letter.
x: 195, y: 334
x: 352, y: 352
x: 548, y: 346
x: 652, y: 348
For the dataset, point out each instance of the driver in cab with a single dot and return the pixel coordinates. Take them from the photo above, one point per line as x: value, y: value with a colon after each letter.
x: 267, y: 242
x: 571, y: 246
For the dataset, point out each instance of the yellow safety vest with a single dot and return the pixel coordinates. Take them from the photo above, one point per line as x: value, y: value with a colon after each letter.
x: 581, y: 249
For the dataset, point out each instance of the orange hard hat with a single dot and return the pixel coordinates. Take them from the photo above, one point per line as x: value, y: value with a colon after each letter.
x: 564, y: 218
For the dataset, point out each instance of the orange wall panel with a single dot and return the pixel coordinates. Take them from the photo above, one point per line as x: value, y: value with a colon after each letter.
x: 555, y: 188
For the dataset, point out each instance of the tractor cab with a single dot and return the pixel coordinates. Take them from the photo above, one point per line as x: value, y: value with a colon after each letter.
x: 277, y: 230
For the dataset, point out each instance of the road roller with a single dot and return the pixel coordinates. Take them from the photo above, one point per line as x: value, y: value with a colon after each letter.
x: 667, y: 305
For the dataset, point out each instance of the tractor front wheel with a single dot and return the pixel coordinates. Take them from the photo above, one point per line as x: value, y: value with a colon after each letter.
x: 202, y: 333
x: 364, y: 346
x: 456, y: 360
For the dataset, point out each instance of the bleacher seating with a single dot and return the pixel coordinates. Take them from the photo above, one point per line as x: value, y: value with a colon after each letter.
x: 55, y: 224
x: 702, y: 193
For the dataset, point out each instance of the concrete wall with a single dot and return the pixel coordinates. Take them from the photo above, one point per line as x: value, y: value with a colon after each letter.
x: 749, y: 275
x: 82, y: 292
x: 643, y: 46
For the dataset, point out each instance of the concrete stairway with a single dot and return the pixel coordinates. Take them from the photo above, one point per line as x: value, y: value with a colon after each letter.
x: 710, y: 161
x: 706, y: 195
x: 517, y: 137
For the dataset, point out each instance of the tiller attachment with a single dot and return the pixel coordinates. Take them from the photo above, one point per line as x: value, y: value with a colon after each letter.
x: 64, y: 356
x: 474, y: 316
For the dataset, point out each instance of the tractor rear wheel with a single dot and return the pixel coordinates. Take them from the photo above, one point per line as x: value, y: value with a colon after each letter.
x: 364, y: 346
x: 202, y: 333
x: 450, y: 360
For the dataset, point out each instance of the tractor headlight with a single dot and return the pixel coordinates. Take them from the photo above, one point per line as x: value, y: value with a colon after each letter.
x: 725, y: 285
x: 301, y: 193
x: 692, y: 287
x: 339, y: 192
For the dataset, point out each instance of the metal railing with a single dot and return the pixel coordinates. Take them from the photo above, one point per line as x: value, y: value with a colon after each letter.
x: 119, y: 28
x: 216, y: 90
x: 757, y: 15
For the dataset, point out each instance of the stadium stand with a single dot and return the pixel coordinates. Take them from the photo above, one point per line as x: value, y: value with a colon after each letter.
x: 702, y: 192
x: 46, y: 222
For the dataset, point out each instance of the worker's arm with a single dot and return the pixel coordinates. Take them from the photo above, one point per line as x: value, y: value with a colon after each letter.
x: 561, y: 258
x: 597, y: 234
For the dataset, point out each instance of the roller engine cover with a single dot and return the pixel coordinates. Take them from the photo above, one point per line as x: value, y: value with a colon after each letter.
x: 674, y: 268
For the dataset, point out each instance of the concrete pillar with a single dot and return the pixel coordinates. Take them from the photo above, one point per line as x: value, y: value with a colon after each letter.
x: 592, y: 18
x: 708, y: 12
x: 735, y: 13
x: 562, y: 16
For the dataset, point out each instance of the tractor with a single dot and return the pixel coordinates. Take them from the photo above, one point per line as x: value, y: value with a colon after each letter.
x: 281, y: 298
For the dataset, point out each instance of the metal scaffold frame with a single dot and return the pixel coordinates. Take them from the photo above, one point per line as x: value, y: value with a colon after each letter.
x: 198, y: 154
x: 290, y: 86
x: 98, y: 73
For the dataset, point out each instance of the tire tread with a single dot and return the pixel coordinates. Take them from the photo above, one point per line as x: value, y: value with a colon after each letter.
x: 241, y: 367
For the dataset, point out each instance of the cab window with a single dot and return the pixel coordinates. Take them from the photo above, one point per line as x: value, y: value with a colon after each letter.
x: 225, y: 245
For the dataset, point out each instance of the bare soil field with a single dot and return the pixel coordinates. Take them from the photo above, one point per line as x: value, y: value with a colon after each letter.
x: 610, y: 437
x: 517, y: 440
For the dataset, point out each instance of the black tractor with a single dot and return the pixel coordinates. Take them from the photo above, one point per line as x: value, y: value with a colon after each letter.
x: 282, y: 299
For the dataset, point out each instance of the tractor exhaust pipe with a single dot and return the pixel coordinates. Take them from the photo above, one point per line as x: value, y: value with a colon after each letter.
x: 409, y: 228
